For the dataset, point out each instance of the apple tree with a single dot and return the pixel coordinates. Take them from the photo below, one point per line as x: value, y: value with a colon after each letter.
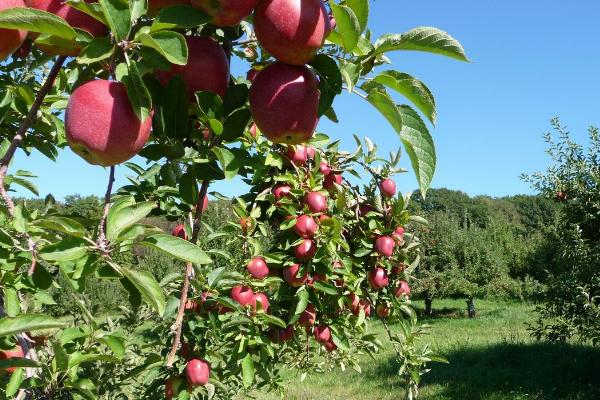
x: 324, y: 242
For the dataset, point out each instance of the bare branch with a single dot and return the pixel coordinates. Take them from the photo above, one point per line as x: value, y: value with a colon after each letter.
x: 102, y: 245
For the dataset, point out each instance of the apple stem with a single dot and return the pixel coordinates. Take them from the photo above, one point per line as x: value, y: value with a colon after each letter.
x: 102, y: 245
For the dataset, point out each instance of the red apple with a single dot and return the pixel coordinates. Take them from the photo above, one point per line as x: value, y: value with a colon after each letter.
x: 226, y: 12
x: 17, y: 352
x: 243, y: 295
x: 354, y: 300
x: 323, y: 217
x: 306, y: 249
x: 330, y: 346
x: 281, y: 191
x: 382, y: 310
x: 290, y: 275
x: 316, y: 202
x: 330, y: 179
x: 384, y: 245
x: 207, y: 68
x: 388, y: 187
x: 10, y: 39
x: 191, y: 305
x: 291, y: 30
x: 258, y: 268
x: 179, y: 231
x: 398, y: 234
x: 308, y: 316
x: 101, y: 125
x: 297, y: 155
x: 253, y: 130
x: 403, y: 289
x: 264, y: 302
x: 284, y: 100
x: 251, y: 74
x: 305, y: 226
x: 324, y: 168
x: 279, y: 335
x: 310, y: 152
x: 362, y: 305
x: 322, y: 333
x: 205, y: 203
x: 197, y: 372
x: 173, y: 387
x: 378, y: 278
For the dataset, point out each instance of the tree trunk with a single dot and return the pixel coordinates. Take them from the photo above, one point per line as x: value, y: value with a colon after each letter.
x: 471, y: 307
x: 428, y: 301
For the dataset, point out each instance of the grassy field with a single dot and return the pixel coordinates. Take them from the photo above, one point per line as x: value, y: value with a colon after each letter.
x: 491, y: 357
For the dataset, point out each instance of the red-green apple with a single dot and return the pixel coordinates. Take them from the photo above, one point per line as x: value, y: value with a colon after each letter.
x: 17, y: 352
x: 258, y: 268
x: 322, y: 333
x: 305, y: 226
x: 403, y: 289
x: 263, y: 300
x: 10, y: 39
x: 243, y: 295
x: 297, y: 155
x: 384, y: 245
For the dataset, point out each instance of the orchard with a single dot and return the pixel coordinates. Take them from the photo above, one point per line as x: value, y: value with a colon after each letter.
x: 325, y: 237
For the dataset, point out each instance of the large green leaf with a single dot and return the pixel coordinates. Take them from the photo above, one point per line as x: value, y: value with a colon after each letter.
x: 148, y: 287
x: 98, y: 49
x: 382, y: 101
x: 18, y: 363
x: 330, y: 82
x: 419, y: 145
x: 68, y: 249
x: 248, y: 370
x: 178, y: 248
x: 138, y: 93
x: 174, y: 110
x: 361, y: 10
x: 171, y: 45
x: 118, y: 16
x: 79, y: 358
x: 62, y: 224
x: 412, y: 88
x: 33, y: 20
x: 229, y: 164
x: 27, y: 322
x: 126, y: 217
x: 428, y: 39
x: 347, y: 25
x: 179, y: 17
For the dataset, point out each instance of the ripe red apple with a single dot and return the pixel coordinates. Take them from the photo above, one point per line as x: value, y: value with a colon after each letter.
x: 17, y: 352
x: 308, y: 316
x: 291, y: 30
x: 197, y: 372
x: 322, y: 333
x: 251, y: 74
x: 281, y: 191
x: 384, y: 245
x: 279, y: 335
x: 316, y: 202
x: 258, y: 268
x: 378, y: 278
x: 306, y: 249
x: 243, y: 295
x: 173, y: 387
x: 297, y: 155
x: 403, y: 289
x: 328, y: 182
x: 207, y: 68
x: 205, y: 203
x: 154, y: 6
x: 362, y: 305
x: 226, y: 12
x: 10, y: 39
x: 179, y: 231
x: 305, y: 226
x: 101, y: 125
x: 284, y: 100
x: 290, y: 275
x: 310, y: 152
x: 354, y: 300
x: 330, y: 346
x: 324, y: 168
x: 388, y: 187
x: 382, y: 310
x: 264, y: 302
x: 398, y: 234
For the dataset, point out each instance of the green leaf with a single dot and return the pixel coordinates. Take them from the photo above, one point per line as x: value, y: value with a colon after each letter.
x: 361, y: 10
x: 78, y: 358
x: 126, y: 217
x: 247, y: 370
x: 236, y: 124
x: 347, y: 25
x: 62, y: 224
x: 68, y: 249
x: 98, y: 50
x: 27, y: 322
x: 174, y: 111
x: 148, y: 287
x: 94, y: 10
x: 302, y: 302
x: 178, y: 248
x: 188, y: 188
x: 19, y: 363
x: 427, y: 39
x: 24, y: 183
x: 412, y: 88
x: 382, y: 101
x: 33, y: 20
x: 15, y: 382
x: 138, y: 93
x: 179, y: 17
x: 60, y: 356
x: 419, y: 146
x: 115, y: 343
x: 170, y: 45
x: 330, y: 82
x: 12, y: 305
x: 229, y: 164
x: 118, y: 16
x: 138, y: 9
x: 325, y: 287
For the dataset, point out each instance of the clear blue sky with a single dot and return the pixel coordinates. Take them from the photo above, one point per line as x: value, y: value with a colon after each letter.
x: 532, y: 60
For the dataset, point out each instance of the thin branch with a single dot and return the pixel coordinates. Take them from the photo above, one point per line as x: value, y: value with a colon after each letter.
x: 102, y: 225
x: 387, y: 328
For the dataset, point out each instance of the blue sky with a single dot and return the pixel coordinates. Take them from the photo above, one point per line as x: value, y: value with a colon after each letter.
x: 532, y: 60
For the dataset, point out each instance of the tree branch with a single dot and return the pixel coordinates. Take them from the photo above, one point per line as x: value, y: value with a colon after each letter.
x: 102, y: 245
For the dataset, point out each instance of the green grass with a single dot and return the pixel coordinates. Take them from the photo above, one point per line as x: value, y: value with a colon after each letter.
x: 492, y: 357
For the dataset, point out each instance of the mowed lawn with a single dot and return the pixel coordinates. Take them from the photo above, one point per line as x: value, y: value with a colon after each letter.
x: 492, y: 357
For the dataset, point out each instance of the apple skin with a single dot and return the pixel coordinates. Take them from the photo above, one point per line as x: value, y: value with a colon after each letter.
x: 323, y: 217
x: 398, y: 234
x: 10, y: 39
x: 384, y: 245
x: 305, y: 250
x: 403, y: 289
x: 297, y: 155
x: 280, y: 335
x: 207, y: 68
x: 324, y: 168
x: 378, y: 278
x: 281, y: 191
x: 330, y: 346
x: 101, y: 125
x: 179, y: 231
x: 308, y: 316
x: 388, y: 187
x: 243, y: 295
x: 263, y: 300
x: 173, y: 387
x: 316, y: 202
x: 284, y: 101
x: 258, y: 268
x: 322, y: 333
x: 305, y: 226
x: 310, y: 152
x: 17, y: 352
x: 291, y: 30
x: 226, y: 12
x: 362, y: 305
x: 382, y: 310
x: 75, y: 18
x: 330, y: 180
x: 197, y: 372
x: 251, y: 75
x: 290, y: 275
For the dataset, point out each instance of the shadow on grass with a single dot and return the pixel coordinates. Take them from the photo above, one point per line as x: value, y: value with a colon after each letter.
x: 541, y: 371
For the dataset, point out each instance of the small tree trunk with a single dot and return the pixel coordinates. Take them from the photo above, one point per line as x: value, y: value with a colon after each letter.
x: 471, y: 307
x: 428, y: 301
